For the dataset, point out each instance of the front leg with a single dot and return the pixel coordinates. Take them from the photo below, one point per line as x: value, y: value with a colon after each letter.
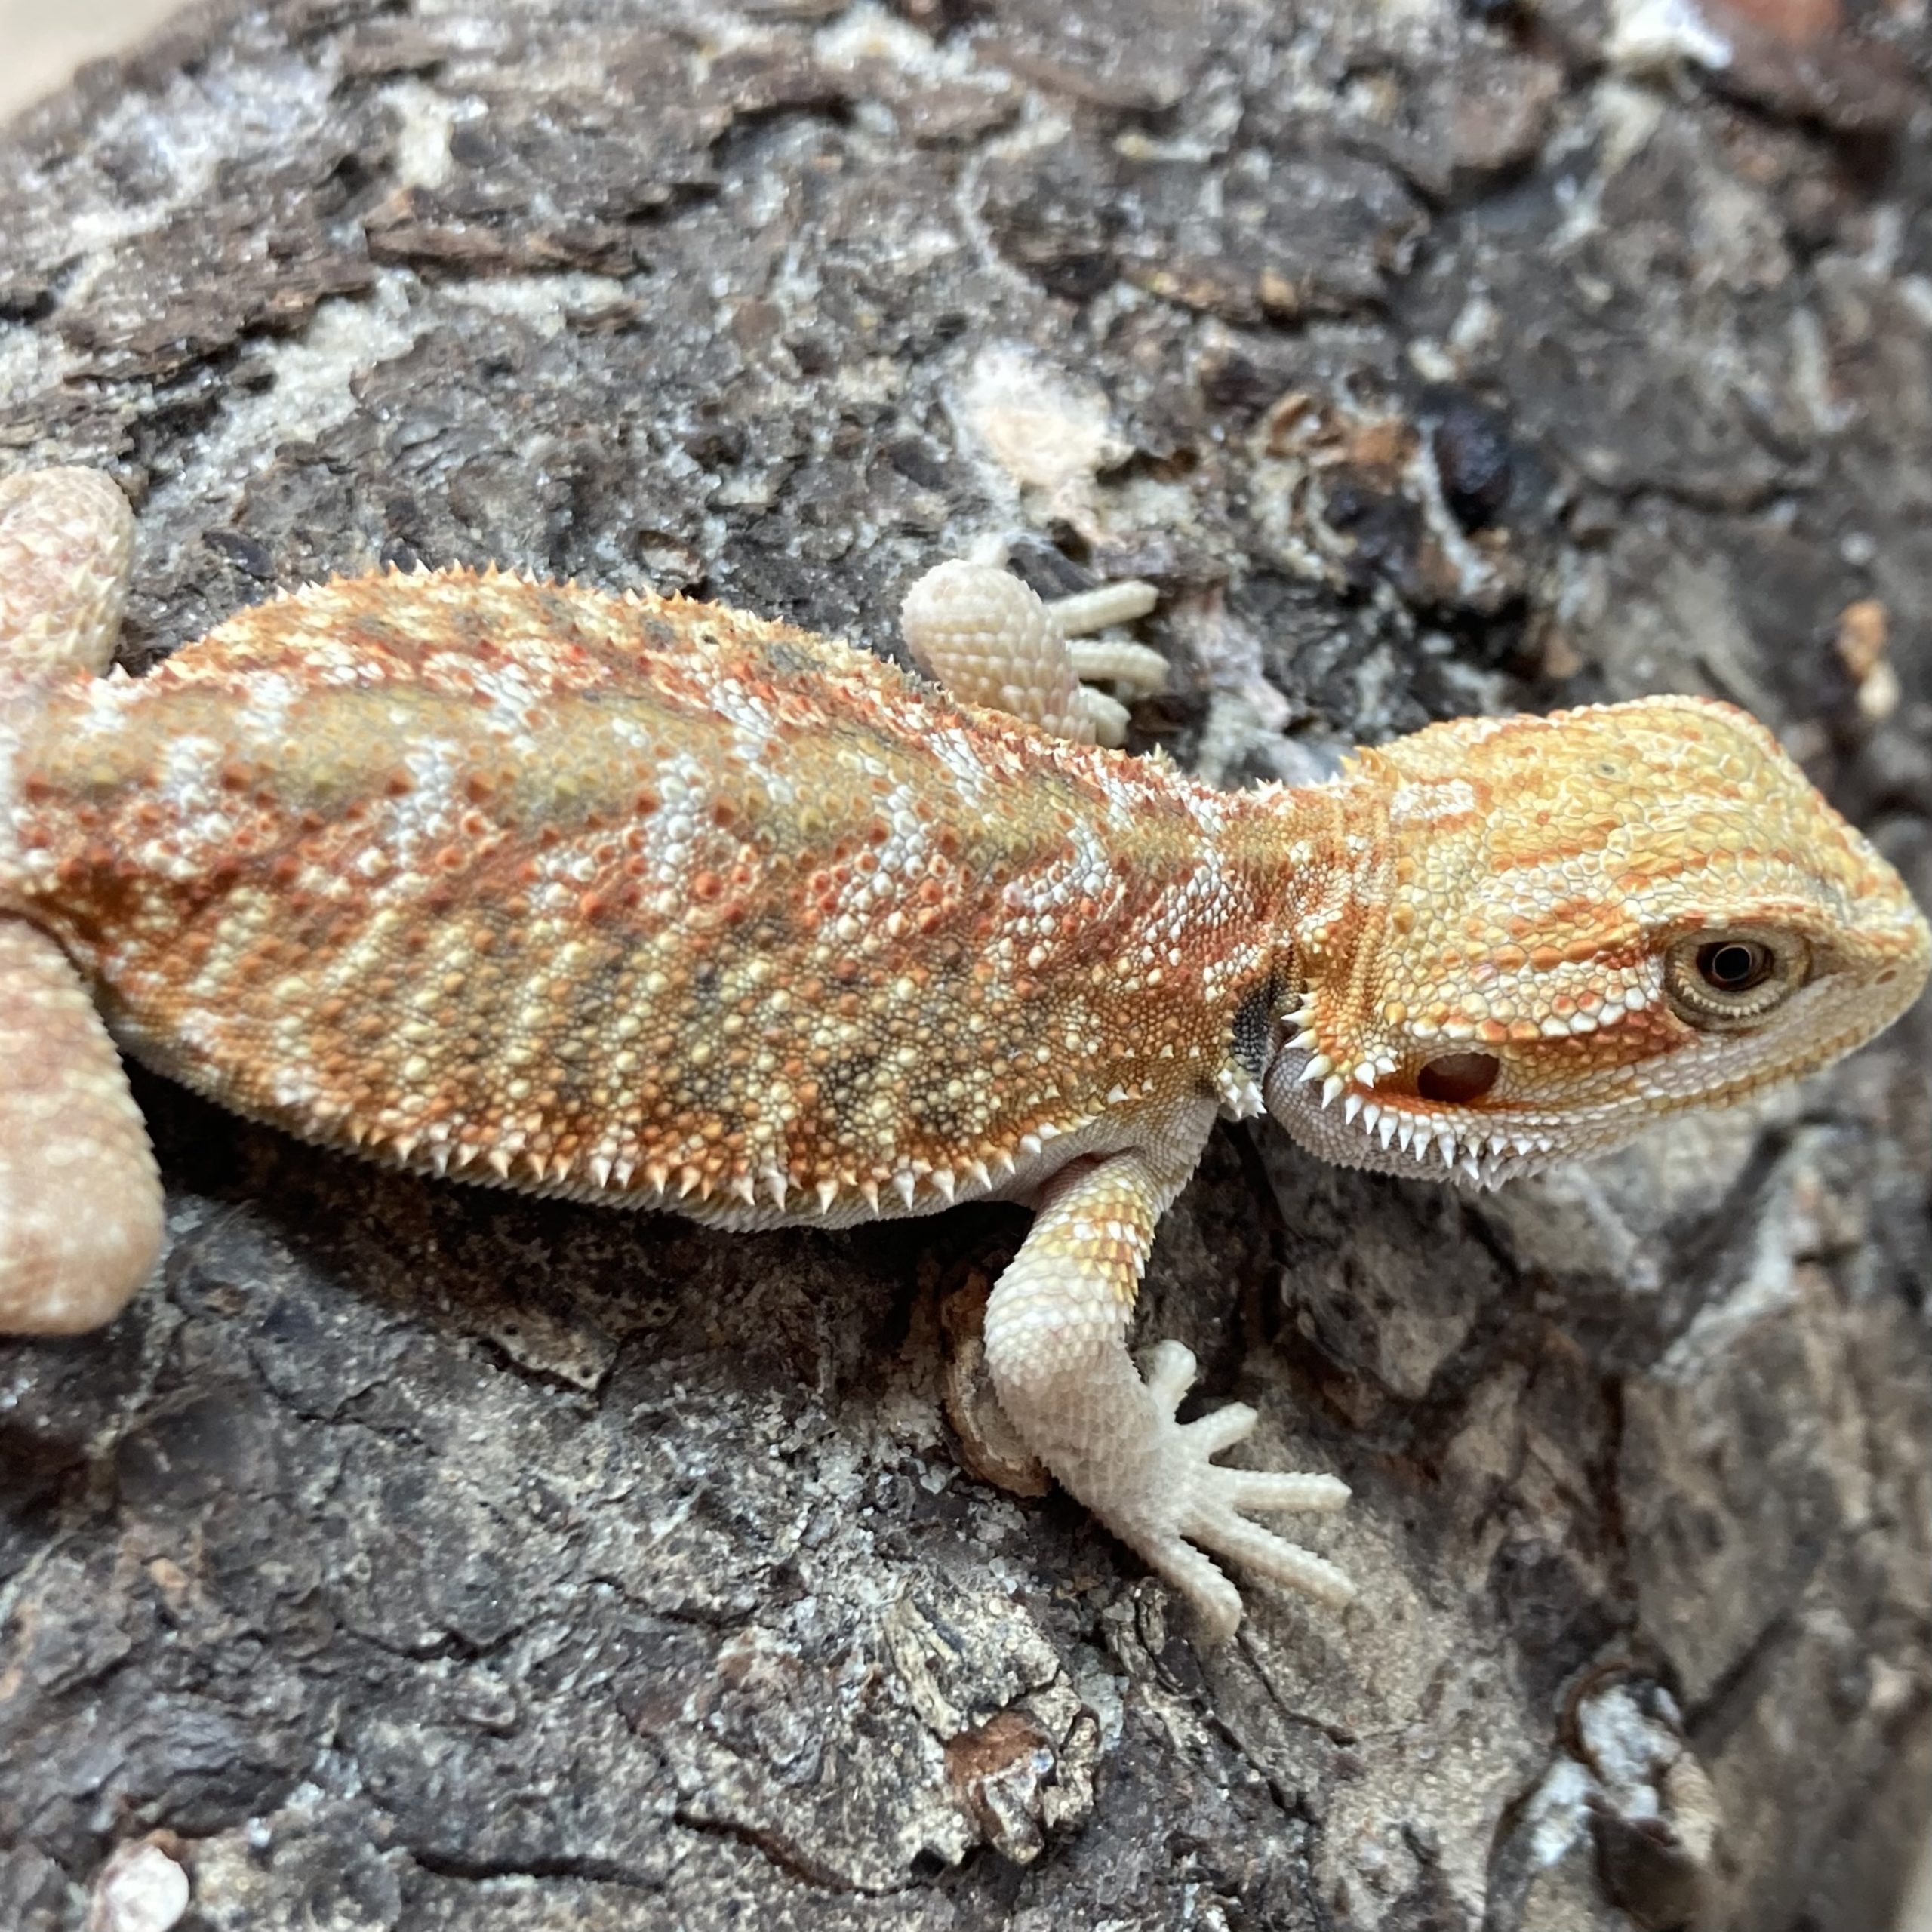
x: 1056, y: 1341
x: 990, y: 640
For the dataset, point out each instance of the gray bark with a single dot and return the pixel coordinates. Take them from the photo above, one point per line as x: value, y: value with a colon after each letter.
x: 413, y: 1557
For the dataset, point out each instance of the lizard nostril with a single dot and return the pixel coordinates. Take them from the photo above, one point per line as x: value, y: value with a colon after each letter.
x: 1458, y: 1078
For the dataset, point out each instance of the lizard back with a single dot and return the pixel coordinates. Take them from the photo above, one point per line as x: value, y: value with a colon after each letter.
x: 622, y: 897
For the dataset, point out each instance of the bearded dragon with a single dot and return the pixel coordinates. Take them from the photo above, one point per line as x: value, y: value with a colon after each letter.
x: 649, y: 902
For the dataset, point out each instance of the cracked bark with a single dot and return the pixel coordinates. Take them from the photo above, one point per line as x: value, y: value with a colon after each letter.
x: 424, y: 1557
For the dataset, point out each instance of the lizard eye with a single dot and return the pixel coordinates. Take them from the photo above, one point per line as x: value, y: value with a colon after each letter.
x: 1730, y: 979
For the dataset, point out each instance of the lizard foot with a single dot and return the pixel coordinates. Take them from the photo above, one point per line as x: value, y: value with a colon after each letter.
x: 990, y: 640
x: 1190, y: 1500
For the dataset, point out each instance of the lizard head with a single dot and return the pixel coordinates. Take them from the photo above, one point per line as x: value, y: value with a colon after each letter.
x: 1569, y: 925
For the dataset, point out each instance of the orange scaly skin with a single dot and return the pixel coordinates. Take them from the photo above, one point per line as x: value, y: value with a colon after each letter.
x: 655, y: 903
x: 633, y: 899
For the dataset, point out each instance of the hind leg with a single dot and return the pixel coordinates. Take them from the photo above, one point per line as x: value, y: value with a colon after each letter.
x: 80, y: 1201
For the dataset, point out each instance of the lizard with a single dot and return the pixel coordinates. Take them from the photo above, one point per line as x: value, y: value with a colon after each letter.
x: 651, y: 902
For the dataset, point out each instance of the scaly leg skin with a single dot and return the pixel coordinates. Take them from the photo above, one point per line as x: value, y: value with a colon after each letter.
x: 80, y: 1199
x: 1056, y: 1339
x: 991, y: 640
x: 1056, y: 1326
x: 66, y: 540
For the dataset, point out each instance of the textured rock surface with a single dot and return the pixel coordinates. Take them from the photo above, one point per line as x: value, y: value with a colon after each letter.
x: 416, y: 1557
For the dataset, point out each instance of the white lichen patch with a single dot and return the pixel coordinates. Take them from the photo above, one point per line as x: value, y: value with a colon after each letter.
x: 1042, y: 428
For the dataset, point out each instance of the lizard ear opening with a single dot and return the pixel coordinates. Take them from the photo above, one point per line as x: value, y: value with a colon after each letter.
x: 1455, y: 1079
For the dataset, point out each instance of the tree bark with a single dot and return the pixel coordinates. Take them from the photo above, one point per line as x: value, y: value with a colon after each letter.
x: 415, y: 1557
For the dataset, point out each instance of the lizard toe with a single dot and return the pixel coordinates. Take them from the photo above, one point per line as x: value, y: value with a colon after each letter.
x: 1248, y: 1490
x: 1221, y: 1429
x: 1273, y: 1557
x: 1199, y: 1579
x: 1170, y: 1372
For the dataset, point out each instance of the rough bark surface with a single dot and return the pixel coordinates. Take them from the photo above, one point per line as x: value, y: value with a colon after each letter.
x: 413, y: 1557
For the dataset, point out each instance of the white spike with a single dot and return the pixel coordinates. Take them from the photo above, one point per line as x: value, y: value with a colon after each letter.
x: 1406, y: 1134
x: 1387, y: 1125
x: 977, y: 1170
x: 869, y: 1193
x: 1030, y: 1143
x: 1351, y: 1107
x: 943, y: 1182
x: 905, y: 1183
x: 600, y: 1170
x: 500, y: 1164
x: 1365, y: 1074
x: 1332, y: 1086
x: 828, y: 1192
x: 778, y: 1185
x: 1318, y: 1068
x: 745, y: 1188
x: 1371, y: 1113
x: 1304, y: 1042
x: 1005, y: 1159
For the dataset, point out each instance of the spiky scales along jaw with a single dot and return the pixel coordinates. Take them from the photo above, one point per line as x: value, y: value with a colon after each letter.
x: 1512, y: 980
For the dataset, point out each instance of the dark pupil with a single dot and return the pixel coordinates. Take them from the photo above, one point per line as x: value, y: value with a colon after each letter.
x: 1732, y: 967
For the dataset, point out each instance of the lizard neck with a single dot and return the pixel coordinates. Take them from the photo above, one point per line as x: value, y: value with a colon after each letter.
x: 1318, y: 858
